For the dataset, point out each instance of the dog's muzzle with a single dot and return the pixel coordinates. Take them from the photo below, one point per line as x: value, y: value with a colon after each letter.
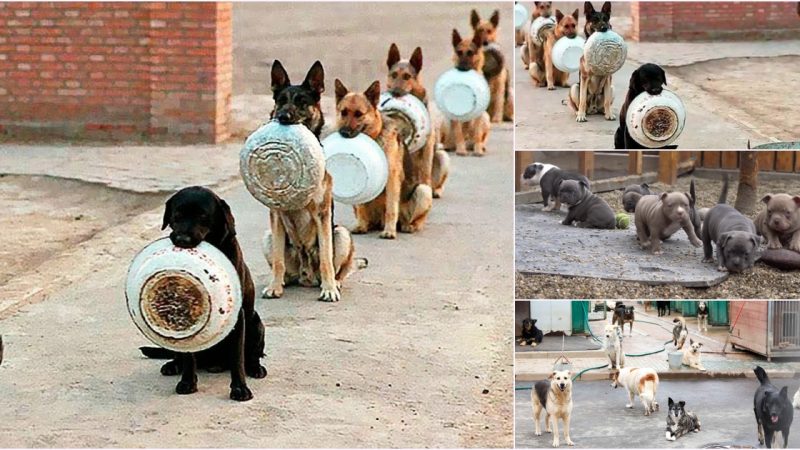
x: 349, y: 132
x: 183, y: 240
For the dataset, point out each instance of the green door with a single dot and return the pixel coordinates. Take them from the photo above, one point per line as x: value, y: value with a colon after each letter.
x: 688, y: 308
x: 580, y: 324
x: 718, y: 313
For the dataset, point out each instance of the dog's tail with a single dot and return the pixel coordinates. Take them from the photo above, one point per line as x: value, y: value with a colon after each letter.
x: 761, y: 374
x: 692, y: 194
x: 723, y: 196
x: 157, y: 353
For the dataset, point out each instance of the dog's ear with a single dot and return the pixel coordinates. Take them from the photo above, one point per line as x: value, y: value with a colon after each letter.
x: 534, y: 321
x: 606, y: 9
x: 681, y: 404
x: 229, y: 224
x: 315, y: 78
x: 477, y: 41
x: 662, y: 75
x: 645, y: 186
x: 699, y: 344
x: 576, y: 14
x: 474, y: 19
x: 663, y: 196
x: 754, y: 239
x: 796, y: 200
x: 373, y: 93
x: 670, y: 402
x: 634, y: 85
x: 766, y: 198
x: 495, y: 19
x: 552, y: 375
x: 559, y: 15
x: 167, y: 213
x: 785, y: 392
x: 416, y: 59
x: 588, y: 9
x: 394, y: 56
x: 584, y: 184
x: 723, y: 240
x: 280, y: 79
x: 456, y: 38
x: 340, y: 89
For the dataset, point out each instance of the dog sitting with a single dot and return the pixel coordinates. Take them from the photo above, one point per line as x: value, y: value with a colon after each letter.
x: 406, y: 201
x: 432, y: 166
x: 680, y: 421
x: 196, y: 214
x: 304, y: 246
x: 541, y: 67
x: 622, y: 315
x: 530, y: 334
x: 641, y: 382
x: 679, y: 332
x: 734, y: 235
x: 773, y: 410
x: 612, y: 345
x: 663, y: 308
x: 659, y: 217
x: 540, y: 9
x: 702, y: 316
x: 501, y: 103
x: 468, y: 55
x: 550, y: 178
x: 691, y: 358
x: 594, y: 93
x: 648, y: 78
x: 632, y: 194
x: 585, y: 208
x: 554, y: 396
x: 780, y: 222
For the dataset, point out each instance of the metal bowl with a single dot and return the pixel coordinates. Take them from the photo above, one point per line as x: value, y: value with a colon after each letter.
x: 656, y: 120
x: 605, y: 52
x: 567, y: 53
x: 462, y: 95
x: 538, y: 24
x: 358, y: 167
x: 183, y: 299
x: 282, y: 165
x: 520, y: 15
x: 415, y: 112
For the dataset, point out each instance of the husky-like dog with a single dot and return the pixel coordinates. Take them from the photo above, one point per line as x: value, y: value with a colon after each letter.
x: 679, y: 332
x: 612, y: 345
x: 554, y: 396
x: 702, y: 317
x: 680, y: 421
x: 691, y: 357
x: 641, y: 382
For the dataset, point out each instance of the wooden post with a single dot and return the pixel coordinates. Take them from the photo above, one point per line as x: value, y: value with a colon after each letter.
x: 522, y: 159
x: 748, y: 183
x: 586, y: 164
x: 635, y: 163
x: 668, y: 166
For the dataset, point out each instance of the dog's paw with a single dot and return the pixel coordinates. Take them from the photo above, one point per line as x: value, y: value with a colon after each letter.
x: 722, y: 269
x: 570, y: 443
x: 697, y: 242
x: 580, y: 117
x: 611, y: 116
x: 794, y: 247
x: 774, y: 244
x: 437, y: 193
x: 556, y: 443
x: 330, y: 295
x: 708, y: 260
x: 657, y: 252
x: 241, y: 394
x: 388, y: 234
x: 273, y: 291
x: 186, y: 387
x: 629, y: 405
x: 462, y: 152
x: 408, y: 228
x: 258, y: 371
x: 537, y: 433
x: 479, y: 152
x: 170, y: 369
x: 551, y: 88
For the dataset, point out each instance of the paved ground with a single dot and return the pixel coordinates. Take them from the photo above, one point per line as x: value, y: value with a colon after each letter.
x: 600, y: 419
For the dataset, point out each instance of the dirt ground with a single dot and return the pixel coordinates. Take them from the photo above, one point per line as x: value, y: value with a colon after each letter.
x: 763, y: 282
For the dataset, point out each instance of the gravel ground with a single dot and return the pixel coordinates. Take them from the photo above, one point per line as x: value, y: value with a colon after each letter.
x: 762, y: 282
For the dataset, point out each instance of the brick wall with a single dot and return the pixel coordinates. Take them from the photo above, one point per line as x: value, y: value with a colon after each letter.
x: 153, y: 71
x: 665, y: 21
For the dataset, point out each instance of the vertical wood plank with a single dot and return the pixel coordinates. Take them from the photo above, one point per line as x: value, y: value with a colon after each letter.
x: 586, y: 164
x: 766, y: 160
x: 711, y: 160
x: 730, y: 160
x: 668, y: 166
x: 784, y: 161
x: 635, y: 163
x: 797, y: 162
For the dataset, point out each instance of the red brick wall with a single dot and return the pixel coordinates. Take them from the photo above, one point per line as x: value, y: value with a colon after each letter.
x: 128, y: 70
x: 665, y: 21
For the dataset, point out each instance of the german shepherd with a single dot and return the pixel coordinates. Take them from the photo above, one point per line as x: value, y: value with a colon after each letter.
x: 468, y: 55
x: 541, y: 68
x: 304, y: 246
x: 406, y: 201
x: 541, y: 9
x: 594, y: 93
x: 404, y: 78
x: 501, y: 104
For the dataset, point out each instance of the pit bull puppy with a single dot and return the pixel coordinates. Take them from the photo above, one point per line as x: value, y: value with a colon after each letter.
x: 659, y: 217
x: 632, y: 194
x: 780, y: 222
x: 550, y: 178
x: 735, y: 237
x: 589, y: 210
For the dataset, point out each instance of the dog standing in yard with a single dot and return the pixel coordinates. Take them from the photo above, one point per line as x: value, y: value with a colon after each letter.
x: 530, y: 334
x: 622, y: 315
x: 773, y: 410
x: 679, y: 332
x: 541, y: 67
x: 734, y: 235
x: 663, y: 308
x: 702, y: 316
x: 594, y: 93
x: 501, y: 104
x: 304, y: 246
x: 612, y: 345
x: 691, y: 357
x: 680, y: 421
x: 459, y: 136
x: 659, y: 217
x: 554, y: 397
x: 641, y: 382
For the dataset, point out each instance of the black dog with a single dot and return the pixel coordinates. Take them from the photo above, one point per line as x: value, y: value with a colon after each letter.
x: 648, y: 78
x: 196, y: 214
x: 622, y: 315
x: 298, y: 104
x: 663, y: 308
x: 773, y: 409
x: 530, y: 334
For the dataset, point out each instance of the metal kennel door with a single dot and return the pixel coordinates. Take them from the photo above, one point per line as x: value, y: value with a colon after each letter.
x: 786, y: 329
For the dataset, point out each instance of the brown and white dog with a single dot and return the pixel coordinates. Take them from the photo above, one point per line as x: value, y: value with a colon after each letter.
x: 501, y: 103
x: 406, y: 201
x: 594, y: 93
x: 541, y: 67
x: 691, y: 357
x: 641, y: 382
x: 554, y: 396
x: 458, y: 136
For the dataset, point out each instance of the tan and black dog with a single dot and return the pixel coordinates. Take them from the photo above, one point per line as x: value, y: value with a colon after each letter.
x: 458, y: 136
x: 501, y: 104
x: 406, y: 201
x: 541, y: 9
x: 594, y: 93
x: 432, y: 165
x: 541, y: 69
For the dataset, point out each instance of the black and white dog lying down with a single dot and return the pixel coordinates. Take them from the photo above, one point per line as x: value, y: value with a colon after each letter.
x: 549, y: 178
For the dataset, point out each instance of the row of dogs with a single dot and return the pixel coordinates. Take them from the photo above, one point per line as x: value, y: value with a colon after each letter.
x: 660, y: 215
x: 593, y: 94
x: 306, y: 247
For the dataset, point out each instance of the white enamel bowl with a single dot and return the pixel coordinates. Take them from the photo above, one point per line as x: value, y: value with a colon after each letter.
x: 358, y: 167
x: 414, y: 111
x: 520, y: 16
x: 656, y: 120
x: 183, y: 299
x: 282, y: 165
x: 567, y: 54
x: 462, y: 95
x: 605, y: 52
x: 537, y: 24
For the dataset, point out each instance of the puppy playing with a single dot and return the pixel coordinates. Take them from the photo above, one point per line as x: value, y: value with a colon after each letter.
x: 468, y: 55
x: 541, y: 67
x: 622, y: 315
x: 530, y: 334
x: 702, y: 316
x: 641, y: 382
x: 541, y: 9
x: 589, y: 210
x: 304, y: 246
x: 195, y: 214
x: 691, y: 357
x: 554, y: 396
x: 648, y: 78
x: 632, y: 194
x: 594, y: 93
x: 659, y: 217
x: 612, y: 345
x: 780, y: 222
x: 679, y: 332
x: 549, y: 178
x: 501, y: 103
x: 432, y: 166
x: 773, y: 410
x: 680, y: 421
x: 734, y: 235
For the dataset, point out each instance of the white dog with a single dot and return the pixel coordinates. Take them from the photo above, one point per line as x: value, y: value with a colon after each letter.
x: 641, y: 382
x: 691, y: 357
x: 554, y: 396
x: 797, y: 399
x: 613, y: 346
x: 702, y: 317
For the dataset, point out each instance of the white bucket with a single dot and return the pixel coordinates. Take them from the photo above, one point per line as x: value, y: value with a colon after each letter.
x: 415, y: 112
x: 674, y: 359
x: 520, y: 15
x: 567, y: 53
x: 605, y: 52
x: 462, y: 95
x: 358, y: 167
x: 282, y: 165
x: 537, y: 24
x: 656, y: 120
x: 183, y: 299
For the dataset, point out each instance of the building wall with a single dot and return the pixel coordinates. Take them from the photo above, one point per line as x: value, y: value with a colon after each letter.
x: 149, y: 70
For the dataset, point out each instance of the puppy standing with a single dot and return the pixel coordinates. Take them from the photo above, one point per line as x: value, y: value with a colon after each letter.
x: 589, y: 210
x: 680, y: 421
x: 613, y: 346
x: 501, y: 103
x: 594, y: 93
x: 541, y: 68
x: 622, y: 315
x: 641, y: 382
x: 474, y: 133
x: 780, y: 222
x: 554, y: 396
x: 679, y: 332
x: 702, y: 316
x: 734, y: 235
x: 659, y: 217
x: 691, y: 358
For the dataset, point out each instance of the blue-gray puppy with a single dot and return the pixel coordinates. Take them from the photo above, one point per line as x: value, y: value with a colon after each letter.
x: 589, y: 210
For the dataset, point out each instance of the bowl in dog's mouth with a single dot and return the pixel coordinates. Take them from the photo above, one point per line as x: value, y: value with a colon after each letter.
x: 660, y: 123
